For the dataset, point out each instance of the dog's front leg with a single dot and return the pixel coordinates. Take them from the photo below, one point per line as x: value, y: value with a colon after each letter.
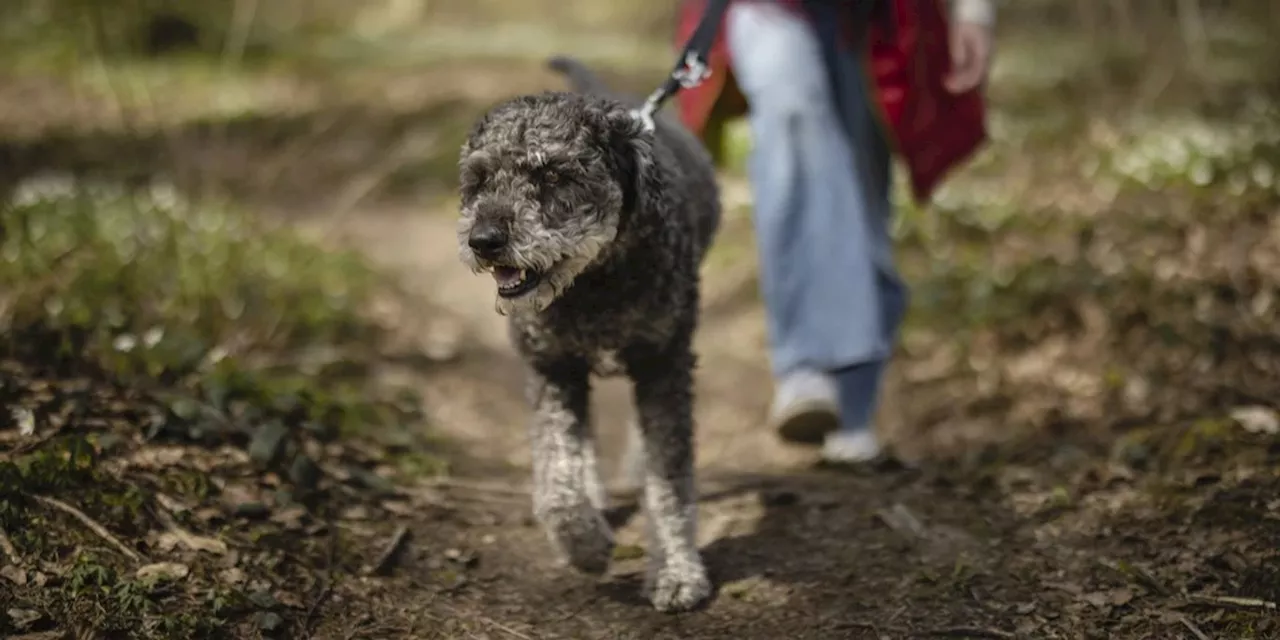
x: 677, y: 579
x: 566, y: 491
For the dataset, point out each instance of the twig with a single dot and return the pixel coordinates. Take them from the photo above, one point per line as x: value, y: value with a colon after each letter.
x: 7, y: 546
x: 502, y: 627
x: 480, y: 487
x: 902, y: 520
x: 383, y: 563
x: 970, y: 632
x: 1191, y: 626
x: 328, y: 580
x: 1233, y: 601
x: 93, y: 526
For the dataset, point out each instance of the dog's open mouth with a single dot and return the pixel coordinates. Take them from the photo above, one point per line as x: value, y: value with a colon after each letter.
x: 514, y: 281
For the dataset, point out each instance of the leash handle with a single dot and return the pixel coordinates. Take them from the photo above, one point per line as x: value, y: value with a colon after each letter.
x: 692, y: 67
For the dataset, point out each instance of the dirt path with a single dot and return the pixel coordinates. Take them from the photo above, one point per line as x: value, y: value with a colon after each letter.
x: 1058, y: 543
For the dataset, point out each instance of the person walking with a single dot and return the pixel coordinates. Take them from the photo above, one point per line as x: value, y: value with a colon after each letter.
x: 830, y: 93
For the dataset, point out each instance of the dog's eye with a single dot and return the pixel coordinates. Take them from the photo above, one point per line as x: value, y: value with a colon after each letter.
x: 550, y: 177
x: 474, y: 182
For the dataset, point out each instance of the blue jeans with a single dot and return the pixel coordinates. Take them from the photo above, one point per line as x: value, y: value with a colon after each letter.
x: 821, y: 181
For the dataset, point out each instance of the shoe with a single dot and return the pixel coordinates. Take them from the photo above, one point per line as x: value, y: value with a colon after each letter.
x: 851, y: 447
x: 805, y: 408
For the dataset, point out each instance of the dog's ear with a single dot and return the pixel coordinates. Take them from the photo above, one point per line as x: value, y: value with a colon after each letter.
x: 630, y: 154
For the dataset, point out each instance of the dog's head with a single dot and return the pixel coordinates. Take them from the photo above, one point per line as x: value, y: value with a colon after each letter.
x: 547, y: 184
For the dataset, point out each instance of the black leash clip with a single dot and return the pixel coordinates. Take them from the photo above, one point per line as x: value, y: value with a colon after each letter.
x: 692, y: 69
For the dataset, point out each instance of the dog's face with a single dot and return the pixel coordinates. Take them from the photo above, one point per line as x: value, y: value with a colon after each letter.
x: 546, y: 184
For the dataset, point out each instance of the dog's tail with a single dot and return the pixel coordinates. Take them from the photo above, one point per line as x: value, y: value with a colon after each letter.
x: 581, y: 78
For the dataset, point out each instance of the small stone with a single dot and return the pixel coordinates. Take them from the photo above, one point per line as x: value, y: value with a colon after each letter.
x: 267, y: 442
x: 459, y: 557
x: 251, y: 509
x: 304, y: 472
x: 372, y: 481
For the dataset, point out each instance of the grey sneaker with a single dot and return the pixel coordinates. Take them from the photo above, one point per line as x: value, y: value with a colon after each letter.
x: 851, y: 447
x: 806, y: 407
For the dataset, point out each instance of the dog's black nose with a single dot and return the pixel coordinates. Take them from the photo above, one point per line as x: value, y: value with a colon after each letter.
x: 487, y: 239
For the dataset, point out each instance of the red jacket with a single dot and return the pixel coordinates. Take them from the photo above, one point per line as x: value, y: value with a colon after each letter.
x: 908, y: 56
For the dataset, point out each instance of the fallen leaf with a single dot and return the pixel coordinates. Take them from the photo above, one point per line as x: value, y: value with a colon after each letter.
x: 176, y: 536
x: 26, y: 421
x: 268, y: 621
x: 14, y: 574
x: 22, y: 618
x: 290, y: 517
x: 399, y: 508
x: 242, y: 501
x: 1257, y: 419
x: 163, y: 571
x: 355, y: 512
x: 263, y: 599
x: 157, y: 457
x: 232, y: 576
x: 290, y: 600
x: 172, y: 504
x: 208, y: 514
x: 1098, y: 599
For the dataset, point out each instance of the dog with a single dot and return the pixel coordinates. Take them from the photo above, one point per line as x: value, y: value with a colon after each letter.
x: 593, y: 227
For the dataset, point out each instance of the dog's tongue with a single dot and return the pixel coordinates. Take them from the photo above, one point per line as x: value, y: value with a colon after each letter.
x: 506, y: 276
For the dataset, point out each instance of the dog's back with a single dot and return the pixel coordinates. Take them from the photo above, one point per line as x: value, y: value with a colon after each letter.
x: 699, y: 181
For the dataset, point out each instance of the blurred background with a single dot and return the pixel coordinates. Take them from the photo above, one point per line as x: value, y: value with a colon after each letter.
x: 240, y: 212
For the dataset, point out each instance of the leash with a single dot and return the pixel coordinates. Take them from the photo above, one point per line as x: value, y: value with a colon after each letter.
x: 691, y: 68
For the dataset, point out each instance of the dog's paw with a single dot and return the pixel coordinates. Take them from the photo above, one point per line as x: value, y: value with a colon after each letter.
x: 582, y: 537
x: 674, y: 588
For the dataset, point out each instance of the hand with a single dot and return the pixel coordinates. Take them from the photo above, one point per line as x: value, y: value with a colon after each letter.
x: 971, y: 45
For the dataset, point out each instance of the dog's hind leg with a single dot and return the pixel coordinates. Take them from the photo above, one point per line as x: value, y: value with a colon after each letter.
x: 567, y: 494
x: 677, y: 579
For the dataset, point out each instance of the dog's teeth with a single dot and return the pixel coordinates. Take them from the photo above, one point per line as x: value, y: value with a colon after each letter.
x: 524, y: 274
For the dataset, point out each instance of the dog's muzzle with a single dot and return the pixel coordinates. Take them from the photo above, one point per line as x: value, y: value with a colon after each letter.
x: 489, y: 240
x: 515, y: 281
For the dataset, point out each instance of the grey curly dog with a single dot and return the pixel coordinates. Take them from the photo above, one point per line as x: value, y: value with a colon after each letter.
x: 593, y: 228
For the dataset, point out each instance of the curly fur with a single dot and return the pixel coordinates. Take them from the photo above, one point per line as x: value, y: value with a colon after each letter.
x: 611, y: 222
